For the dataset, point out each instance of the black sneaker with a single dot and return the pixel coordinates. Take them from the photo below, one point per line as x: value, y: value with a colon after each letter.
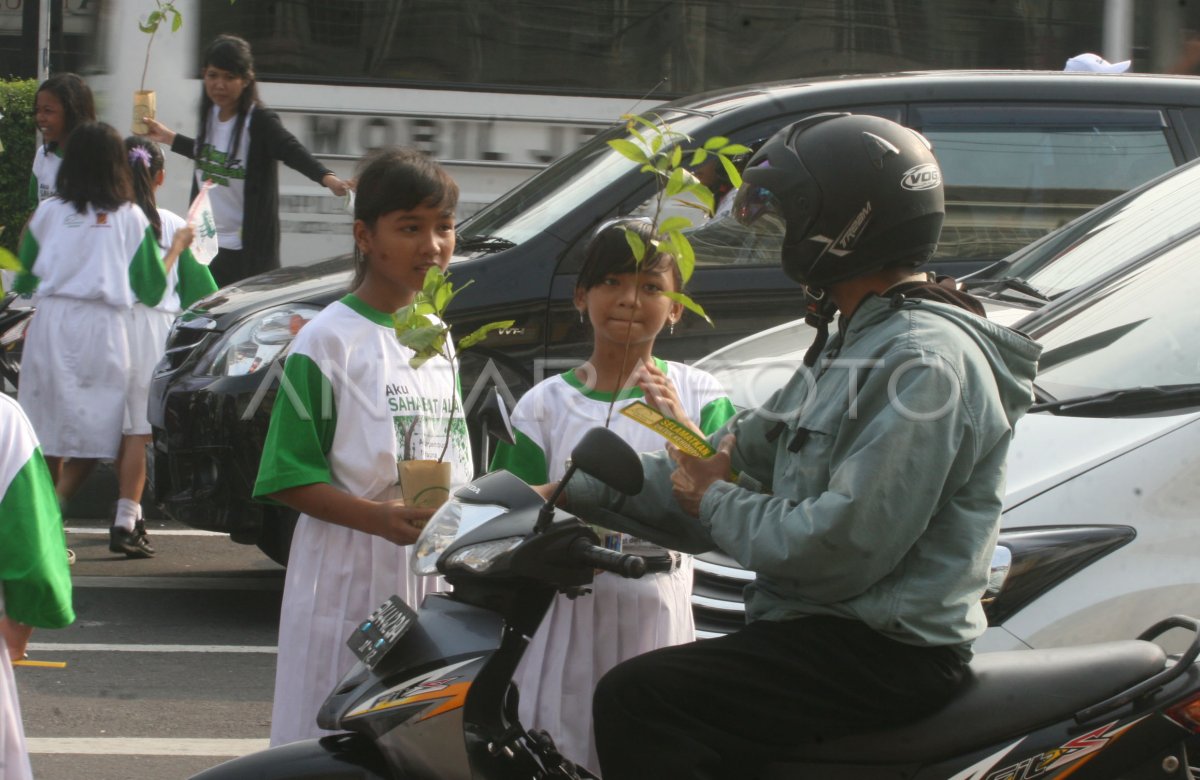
x: 135, y: 543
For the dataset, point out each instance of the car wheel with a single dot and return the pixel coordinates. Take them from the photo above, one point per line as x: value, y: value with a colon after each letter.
x: 275, y: 539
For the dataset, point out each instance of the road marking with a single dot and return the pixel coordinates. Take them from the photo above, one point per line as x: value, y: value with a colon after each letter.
x: 67, y: 647
x: 159, y: 532
x: 142, y: 746
x: 273, y: 582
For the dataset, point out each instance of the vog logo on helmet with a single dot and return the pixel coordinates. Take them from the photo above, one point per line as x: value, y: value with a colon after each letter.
x: 921, y: 177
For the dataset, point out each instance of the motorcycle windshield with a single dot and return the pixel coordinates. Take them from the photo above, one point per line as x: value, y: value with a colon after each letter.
x: 454, y: 520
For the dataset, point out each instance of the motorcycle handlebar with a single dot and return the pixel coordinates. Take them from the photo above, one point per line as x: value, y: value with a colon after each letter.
x: 629, y: 566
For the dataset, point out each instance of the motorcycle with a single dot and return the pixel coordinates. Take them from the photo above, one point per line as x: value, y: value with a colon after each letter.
x: 14, y: 320
x: 431, y: 695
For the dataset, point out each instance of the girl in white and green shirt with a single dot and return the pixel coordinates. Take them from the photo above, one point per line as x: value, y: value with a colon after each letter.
x: 348, y: 408
x: 581, y: 639
x: 89, y: 253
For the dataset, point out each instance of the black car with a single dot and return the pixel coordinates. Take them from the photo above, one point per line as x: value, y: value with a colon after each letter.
x: 1021, y: 153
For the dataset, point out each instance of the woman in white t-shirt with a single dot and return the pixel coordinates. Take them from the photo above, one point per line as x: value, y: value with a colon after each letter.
x: 238, y: 144
x: 581, y: 639
x: 337, y: 465
x: 90, y: 254
x: 62, y: 102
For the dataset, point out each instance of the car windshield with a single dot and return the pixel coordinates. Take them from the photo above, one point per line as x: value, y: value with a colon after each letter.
x: 1138, y: 330
x: 538, y: 203
x: 1107, y: 237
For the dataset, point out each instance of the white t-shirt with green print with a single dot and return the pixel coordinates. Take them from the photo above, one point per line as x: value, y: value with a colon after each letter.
x: 349, y: 406
x: 107, y: 256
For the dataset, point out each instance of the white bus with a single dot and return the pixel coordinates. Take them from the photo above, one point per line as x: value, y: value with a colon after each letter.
x: 496, y: 89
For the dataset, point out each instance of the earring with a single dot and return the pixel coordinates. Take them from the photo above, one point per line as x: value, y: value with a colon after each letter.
x: 581, y: 316
x: 671, y: 330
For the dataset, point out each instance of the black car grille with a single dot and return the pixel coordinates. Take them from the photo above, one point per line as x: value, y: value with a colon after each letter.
x: 717, y: 584
x: 182, y: 343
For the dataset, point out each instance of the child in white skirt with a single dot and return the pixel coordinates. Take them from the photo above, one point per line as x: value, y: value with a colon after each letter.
x: 581, y: 639
x: 89, y: 253
x: 337, y: 465
x: 187, y: 282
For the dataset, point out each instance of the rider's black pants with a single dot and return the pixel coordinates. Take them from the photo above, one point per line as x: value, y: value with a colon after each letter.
x: 719, y: 708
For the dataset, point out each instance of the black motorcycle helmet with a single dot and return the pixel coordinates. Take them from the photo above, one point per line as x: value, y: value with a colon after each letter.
x: 856, y: 194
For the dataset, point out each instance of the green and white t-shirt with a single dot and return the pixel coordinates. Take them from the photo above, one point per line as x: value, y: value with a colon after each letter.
x: 187, y: 281
x: 35, y: 584
x: 554, y: 415
x: 224, y: 163
x: 42, y: 183
x: 107, y: 256
x: 349, y: 406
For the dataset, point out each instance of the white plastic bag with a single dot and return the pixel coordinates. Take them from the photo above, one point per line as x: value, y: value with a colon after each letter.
x: 204, y: 224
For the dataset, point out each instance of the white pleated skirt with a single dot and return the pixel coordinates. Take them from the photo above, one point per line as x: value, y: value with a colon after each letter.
x: 581, y: 639
x: 148, y: 329
x: 14, y: 758
x: 336, y: 577
x: 75, y: 377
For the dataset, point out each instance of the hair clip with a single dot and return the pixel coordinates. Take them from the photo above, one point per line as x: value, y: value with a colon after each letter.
x: 139, y: 153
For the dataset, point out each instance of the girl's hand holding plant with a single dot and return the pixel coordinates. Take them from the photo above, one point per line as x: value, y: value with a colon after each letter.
x: 158, y: 132
x: 400, y: 524
x: 335, y: 185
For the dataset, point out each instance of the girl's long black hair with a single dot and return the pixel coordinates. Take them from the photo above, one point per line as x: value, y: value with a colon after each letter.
x: 398, y: 179
x: 231, y: 53
x: 145, y: 162
x: 76, y: 98
x: 94, y: 169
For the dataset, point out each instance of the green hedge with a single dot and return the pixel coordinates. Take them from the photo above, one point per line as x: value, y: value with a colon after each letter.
x: 18, y: 133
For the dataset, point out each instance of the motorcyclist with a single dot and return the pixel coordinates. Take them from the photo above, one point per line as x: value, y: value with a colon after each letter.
x: 865, y: 494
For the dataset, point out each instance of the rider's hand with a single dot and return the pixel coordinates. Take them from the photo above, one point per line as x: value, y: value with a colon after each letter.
x: 693, y: 476
x: 401, y: 524
x: 158, y: 132
x: 547, y: 490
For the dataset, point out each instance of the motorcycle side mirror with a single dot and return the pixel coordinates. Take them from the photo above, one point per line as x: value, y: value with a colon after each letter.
x: 605, y: 456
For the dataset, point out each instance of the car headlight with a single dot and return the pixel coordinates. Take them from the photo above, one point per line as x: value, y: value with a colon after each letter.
x: 453, y: 520
x: 480, y: 557
x: 256, y: 341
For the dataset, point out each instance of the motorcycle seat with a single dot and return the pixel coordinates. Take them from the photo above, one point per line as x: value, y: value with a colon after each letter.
x: 1005, y: 695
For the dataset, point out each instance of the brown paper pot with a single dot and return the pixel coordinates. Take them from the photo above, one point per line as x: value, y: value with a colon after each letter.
x: 143, y: 106
x: 425, y: 483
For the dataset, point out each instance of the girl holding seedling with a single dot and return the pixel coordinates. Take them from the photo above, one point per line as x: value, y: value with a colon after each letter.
x: 350, y: 406
x: 62, y: 102
x: 187, y: 281
x: 581, y: 639
x: 91, y: 254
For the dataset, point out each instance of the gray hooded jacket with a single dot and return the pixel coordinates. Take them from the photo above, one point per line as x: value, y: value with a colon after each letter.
x: 881, y: 475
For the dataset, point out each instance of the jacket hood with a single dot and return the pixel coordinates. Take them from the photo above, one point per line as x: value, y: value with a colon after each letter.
x: 1013, y: 356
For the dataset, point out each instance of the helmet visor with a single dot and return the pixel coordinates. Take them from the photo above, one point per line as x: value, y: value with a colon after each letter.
x: 758, y: 208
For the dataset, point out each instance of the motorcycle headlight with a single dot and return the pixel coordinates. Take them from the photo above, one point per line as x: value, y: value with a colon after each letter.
x: 256, y: 341
x: 480, y: 557
x: 453, y: 520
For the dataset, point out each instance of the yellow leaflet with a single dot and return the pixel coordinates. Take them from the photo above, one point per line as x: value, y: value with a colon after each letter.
x: 670, y: 429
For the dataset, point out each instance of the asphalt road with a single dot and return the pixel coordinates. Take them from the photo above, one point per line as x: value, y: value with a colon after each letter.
x: 170, y: 663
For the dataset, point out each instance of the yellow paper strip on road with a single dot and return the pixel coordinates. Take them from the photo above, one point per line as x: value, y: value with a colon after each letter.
x: 42, y: 664
x: 683, y: 437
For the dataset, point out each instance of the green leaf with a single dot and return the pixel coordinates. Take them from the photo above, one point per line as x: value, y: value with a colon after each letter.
x: 662, y: 162
x: 703, y: 194
x: 646, y: 122
x: 685, y: 255
x: 716, y: 142
x: 146, y: 28
x: 676, y: 156
x: 675, y: 183
x: 9, y: 261
x: 698, y: 157
x: 177, y: 22
x: 479, y: 334
x: 421, y: 339
x: 689, y: 304
x: 673, y: 223
x: 733, y: 149
x: 656, y: 143
x: 629, y: 149
x: 735, y: 176
x: 634, y: 132
x: 636, y: 245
